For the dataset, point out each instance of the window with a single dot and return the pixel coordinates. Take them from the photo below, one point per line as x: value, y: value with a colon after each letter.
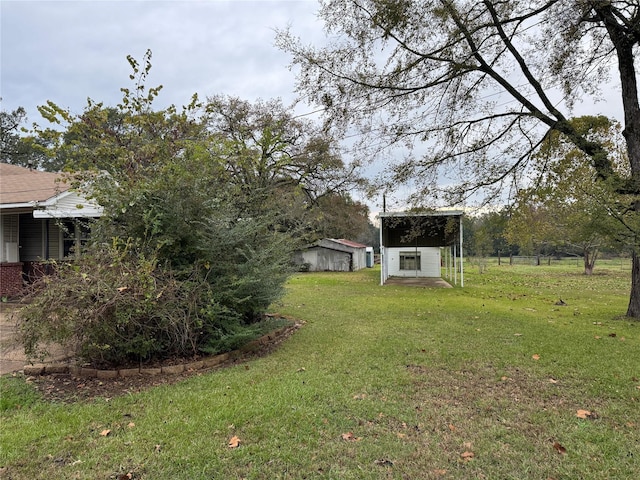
x: 74, y: 235
x: 409, y: 260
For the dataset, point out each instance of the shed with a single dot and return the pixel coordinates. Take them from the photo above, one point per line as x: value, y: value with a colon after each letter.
x: 425, y: 244
x: 332, y: 255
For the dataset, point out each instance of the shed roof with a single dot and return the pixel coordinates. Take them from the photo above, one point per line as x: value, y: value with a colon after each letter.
x: 348, y: 243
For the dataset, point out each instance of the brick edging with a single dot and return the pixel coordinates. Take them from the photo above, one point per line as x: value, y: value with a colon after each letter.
x: 207, y: 362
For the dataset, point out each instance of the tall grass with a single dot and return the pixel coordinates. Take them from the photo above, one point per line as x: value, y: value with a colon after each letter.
x: 382, y: 382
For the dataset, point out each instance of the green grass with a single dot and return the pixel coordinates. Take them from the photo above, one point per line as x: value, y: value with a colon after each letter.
x: 416, y: 376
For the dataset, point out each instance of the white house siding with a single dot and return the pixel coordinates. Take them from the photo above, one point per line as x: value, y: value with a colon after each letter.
x: 429, y: 262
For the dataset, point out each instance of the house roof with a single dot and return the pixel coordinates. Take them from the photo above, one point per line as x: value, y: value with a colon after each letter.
x: 436, y: 228
x: 21, y: 186
x: 44, y: 194
x: 428, y: 213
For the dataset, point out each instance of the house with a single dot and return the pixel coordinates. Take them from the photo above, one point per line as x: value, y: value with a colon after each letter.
x: 332, y: 255
x: 425, y: 244
x: 41, y: 217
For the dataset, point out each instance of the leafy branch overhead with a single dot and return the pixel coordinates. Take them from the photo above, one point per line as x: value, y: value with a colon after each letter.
x: 472, y: 87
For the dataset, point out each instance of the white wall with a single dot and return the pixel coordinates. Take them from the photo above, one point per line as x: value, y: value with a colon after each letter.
x: 429, y: 262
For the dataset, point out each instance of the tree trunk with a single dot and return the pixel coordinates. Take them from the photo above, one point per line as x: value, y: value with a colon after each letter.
x: 624, y: 43
x: 634, y: 298
x: 589, y: 260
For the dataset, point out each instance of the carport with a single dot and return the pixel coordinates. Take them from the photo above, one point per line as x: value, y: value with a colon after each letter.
x: 424, y: 244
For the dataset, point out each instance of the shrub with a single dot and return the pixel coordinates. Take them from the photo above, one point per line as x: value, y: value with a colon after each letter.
x: 120, y: 303
x: 114, y: 306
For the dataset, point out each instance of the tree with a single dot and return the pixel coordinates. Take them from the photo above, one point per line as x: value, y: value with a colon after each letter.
x: 285, y: 164
x: 566, y: 207
x: 18, y: 148
x: 484, y: 234
x: 480, y: 84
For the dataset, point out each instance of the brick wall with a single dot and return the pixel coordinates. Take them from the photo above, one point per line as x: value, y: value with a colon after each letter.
x: 10, y: 279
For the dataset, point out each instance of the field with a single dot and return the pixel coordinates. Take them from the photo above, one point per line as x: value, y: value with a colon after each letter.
x: 497, y: 380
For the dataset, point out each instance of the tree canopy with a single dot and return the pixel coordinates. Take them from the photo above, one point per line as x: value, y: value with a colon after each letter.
x: 566, y: 207
x: 472, y: 80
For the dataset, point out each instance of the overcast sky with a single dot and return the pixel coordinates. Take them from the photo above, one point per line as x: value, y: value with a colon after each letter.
x: 66, y: 51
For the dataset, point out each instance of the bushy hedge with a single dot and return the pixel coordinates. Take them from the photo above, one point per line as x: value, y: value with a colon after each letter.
x: 112, y: 306
x: 122, y: 302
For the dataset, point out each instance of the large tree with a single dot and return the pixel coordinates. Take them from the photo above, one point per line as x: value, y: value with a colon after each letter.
x: 288, y: 164
x: 175, y: 265
x: 566, y: 207
x: 19, y: 148
x: 479, y: 84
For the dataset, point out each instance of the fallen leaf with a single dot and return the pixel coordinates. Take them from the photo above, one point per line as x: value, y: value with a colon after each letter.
x: 349, y: 437
x: 597, y: 337
x: 131, y: 425
x: 467, y: 456
x: 583, y: 414
x: 234, y: 442
x: 452, y: 427
x: 106, y: 432
x: 553, y: 380
x: 401, y: 435
x: 559, y: 448
x: 535, y: 356
x: 440, y: 472
x: 504, y: 379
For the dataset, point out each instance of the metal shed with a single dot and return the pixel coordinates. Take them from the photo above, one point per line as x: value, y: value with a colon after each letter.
x: 333, y: 255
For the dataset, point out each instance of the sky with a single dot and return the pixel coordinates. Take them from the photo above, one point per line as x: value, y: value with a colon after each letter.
x: 67, y: 51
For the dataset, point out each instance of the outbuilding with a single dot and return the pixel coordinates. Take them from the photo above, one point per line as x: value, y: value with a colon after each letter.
x: 332, y: 255
x: 425, y: 244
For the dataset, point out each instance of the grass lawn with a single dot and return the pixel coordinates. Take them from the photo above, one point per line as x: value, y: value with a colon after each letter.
x: 381, y: 382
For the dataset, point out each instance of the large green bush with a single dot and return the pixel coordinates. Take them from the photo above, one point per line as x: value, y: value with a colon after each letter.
x: 175, y: 268
x: 116, y: 304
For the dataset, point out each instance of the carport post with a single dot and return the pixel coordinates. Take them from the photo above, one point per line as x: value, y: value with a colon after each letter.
x: 461, y: 256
